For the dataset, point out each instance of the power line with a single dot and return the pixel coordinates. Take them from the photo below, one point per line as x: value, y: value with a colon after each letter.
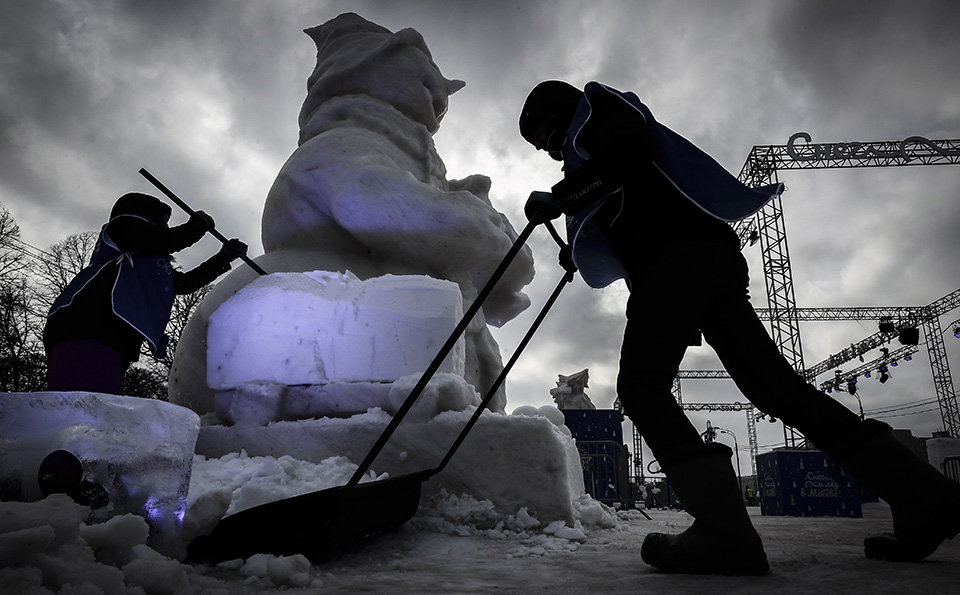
x: 29, y: 250
x: 893, y: 408
x: 906, y: 414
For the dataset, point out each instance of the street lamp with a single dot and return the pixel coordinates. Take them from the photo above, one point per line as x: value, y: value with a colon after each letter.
x: 736, y: 450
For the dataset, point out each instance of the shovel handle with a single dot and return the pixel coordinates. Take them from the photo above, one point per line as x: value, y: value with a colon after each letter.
x: 442, y: 354
x: 567, y: 278
x: 179, y: 202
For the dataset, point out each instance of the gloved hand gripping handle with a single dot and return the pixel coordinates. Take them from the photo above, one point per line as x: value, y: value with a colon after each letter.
x: 176, y: 199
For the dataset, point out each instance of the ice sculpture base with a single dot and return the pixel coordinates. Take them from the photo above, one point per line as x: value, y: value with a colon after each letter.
x: 136, y: 454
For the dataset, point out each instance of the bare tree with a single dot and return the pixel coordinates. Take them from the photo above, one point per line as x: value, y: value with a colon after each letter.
x: 146, y: 381
x: 22, y: 361
x: 12, y: 260
x: 65, y: 259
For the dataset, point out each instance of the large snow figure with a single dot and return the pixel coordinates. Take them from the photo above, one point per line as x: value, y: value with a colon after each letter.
x: 366, y: 192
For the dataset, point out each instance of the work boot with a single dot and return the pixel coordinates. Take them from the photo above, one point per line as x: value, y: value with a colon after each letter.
x: 722, y: 539
x: 925, y: 503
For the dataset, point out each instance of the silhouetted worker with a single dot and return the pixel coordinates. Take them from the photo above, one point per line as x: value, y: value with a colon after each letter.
x: 646, y: 205
x: 96, y: 327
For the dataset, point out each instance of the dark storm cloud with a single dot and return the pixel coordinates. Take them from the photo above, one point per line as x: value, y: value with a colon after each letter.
x: 864, y: 61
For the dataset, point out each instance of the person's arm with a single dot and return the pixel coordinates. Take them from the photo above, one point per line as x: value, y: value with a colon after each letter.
x: 133, y: 234
x: 207, y: 271
x: 620, y: 144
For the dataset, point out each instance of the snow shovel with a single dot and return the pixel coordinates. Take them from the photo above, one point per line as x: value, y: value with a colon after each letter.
x: 321, y: 523
x: 176, y: 199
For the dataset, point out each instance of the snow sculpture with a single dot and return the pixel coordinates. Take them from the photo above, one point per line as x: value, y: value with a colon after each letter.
x: 295, y: 345
x: 137, y: 453
x: 366, y: 192
x: 569, y: 391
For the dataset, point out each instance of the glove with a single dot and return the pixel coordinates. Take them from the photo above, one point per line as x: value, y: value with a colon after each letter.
x: 566, y: 259
x: 202, y: 219
x: 540, y: 207
x: 233, y: 250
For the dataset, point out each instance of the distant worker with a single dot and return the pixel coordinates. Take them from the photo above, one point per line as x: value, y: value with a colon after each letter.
x: 646, y: 205
x: 748, y: 493
x: 96, y: 327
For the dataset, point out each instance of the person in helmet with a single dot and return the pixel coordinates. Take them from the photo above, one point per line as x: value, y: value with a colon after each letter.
x: 645, y: 205
x: 97, y: 325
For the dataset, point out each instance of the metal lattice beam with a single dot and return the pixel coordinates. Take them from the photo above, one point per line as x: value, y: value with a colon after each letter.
x: 761, y: 168
x: 946, y: 394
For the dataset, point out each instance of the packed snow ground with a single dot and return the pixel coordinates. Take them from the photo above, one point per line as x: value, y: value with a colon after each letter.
x: 455, y: 546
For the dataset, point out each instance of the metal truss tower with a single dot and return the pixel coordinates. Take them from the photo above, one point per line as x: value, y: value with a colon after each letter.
x: 761, y: 167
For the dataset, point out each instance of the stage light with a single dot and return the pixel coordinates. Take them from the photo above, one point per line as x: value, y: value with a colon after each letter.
x: 907, y: 358
x: 956, y: 331
x: 886, y: 325
x: 883, y: 374
x: 866, y: 375
x: 909, y: 336
x: 852, y: 386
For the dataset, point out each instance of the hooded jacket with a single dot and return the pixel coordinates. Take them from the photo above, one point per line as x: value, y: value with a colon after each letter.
x: 687, y: 171
x: 125, y: 295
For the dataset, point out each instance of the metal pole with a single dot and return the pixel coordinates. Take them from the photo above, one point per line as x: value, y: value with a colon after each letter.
x: 736, y: 451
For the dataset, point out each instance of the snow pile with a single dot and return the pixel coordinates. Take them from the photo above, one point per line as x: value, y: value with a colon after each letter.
x: 53, y: 545
x: 48, y: 544
x: 526, y: 459
x: 237, y: 481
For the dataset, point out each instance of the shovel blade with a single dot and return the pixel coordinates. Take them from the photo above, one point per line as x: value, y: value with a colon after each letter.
x: 317, y: 525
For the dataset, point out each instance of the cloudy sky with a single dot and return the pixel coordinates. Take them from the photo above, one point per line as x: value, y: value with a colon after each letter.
x: 205, y: 94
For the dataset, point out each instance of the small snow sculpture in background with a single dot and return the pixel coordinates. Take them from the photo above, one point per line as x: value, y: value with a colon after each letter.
x: 569, y: 392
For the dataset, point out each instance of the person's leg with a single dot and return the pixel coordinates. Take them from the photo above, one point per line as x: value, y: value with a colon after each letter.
x: 722, y: 539
x: 731, y: 327
x: 867, y: 449
x: 654, y: 341
x: 84, y: 365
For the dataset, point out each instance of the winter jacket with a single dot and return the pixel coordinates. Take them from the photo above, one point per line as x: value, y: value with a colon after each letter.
x: 126, y: 293
x: 643, y: 187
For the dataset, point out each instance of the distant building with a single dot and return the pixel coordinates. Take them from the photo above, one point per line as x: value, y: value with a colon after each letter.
x: 917, y: 445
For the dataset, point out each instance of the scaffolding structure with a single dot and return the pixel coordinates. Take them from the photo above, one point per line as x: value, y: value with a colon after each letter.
x: 768, y: 228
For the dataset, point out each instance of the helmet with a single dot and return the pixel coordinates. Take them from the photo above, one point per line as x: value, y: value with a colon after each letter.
x: 551, y: 101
